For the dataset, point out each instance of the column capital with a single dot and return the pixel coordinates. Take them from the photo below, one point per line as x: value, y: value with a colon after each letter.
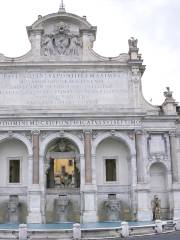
x: 172, y: 133
x: 35, y: 132
x: 87, y: 131
x: 140, y: 132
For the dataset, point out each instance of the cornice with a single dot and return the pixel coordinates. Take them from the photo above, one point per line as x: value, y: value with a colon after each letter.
x: 63, y: 64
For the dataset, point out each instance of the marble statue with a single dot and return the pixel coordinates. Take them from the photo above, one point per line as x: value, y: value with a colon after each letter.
x: 132, y: 42
x: 156, y: 208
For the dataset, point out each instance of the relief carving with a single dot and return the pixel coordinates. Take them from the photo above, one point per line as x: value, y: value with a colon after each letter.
x: 157, y: 147
x: 61, y: 43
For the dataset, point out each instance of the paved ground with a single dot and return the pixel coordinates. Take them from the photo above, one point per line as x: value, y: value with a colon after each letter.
x: 167, y: 236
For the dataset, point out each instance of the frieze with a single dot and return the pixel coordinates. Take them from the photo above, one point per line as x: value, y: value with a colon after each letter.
x: 70, y: 124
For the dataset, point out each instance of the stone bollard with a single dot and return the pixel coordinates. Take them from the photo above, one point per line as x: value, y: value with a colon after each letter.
x: 158, y: 226
x: 76, y: 231
x: 23, y: 232
x: 125, y: 229
x: 177, y: 224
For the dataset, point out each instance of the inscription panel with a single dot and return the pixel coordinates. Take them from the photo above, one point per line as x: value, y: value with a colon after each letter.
x: 70, y: 124
x: 64, y: 89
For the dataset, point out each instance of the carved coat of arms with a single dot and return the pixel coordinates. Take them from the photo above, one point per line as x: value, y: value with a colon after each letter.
x: 61, y: 42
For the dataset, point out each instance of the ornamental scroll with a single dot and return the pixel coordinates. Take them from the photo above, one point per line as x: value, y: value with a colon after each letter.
x: 61, y: 42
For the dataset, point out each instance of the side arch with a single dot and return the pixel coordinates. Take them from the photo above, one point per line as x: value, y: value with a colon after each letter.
x: 20, y: 137
x: 117, y: 135
x: 166, y: 165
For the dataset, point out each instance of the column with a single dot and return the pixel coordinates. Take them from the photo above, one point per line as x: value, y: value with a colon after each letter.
x: 140, y: 143
x: 133, y: 187
x: 30, y: 170
x: 88, y: 188
x: 174, y: 163
x: 87, y: 154
x: 35, y: 140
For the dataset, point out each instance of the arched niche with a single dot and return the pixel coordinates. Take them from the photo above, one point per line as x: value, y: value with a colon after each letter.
x: 14, y: 155
x: 112, y: 154
x: 62, y: 161
x: 113, y: 177
x: 158, y: 186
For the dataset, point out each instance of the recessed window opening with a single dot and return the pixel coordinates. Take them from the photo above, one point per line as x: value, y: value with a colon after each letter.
x: 14, y: 171
x: 110, y: 170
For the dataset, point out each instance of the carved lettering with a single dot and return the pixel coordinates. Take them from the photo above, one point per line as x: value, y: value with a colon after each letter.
x: 69, y: 124
x: 64, y: 89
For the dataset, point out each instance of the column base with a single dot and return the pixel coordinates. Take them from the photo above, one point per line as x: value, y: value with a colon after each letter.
x: 144, y: 215
x: 89, y: 204
x: 144, y: 211
x: 35, y: 206
x: 34, y: 218
x: 89, y: 216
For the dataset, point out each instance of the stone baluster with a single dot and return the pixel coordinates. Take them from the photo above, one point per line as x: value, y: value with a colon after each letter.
x: 88, y: 160
x: 35, y: 139
x: 23, y: 232
x: 76, y: 231
x: 139, y: 156
x: 172, y: 138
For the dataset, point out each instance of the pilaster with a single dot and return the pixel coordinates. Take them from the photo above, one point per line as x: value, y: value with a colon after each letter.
x: 88, y: 157
x: 173, y: 151
x: 35, y: 139
x: 140, y: 156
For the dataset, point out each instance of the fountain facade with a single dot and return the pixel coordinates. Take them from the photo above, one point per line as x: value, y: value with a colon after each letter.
x: 76, y: 131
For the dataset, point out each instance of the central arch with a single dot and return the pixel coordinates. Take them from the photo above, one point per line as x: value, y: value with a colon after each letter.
x: 61, y: 154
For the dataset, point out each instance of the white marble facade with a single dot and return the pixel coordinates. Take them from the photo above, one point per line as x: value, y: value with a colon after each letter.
x: 62, y: 100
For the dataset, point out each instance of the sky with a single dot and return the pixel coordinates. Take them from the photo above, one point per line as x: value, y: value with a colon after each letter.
x: 155, y: 23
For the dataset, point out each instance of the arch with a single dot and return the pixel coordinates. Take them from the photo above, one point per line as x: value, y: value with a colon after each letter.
x: 20, y: 137
x: 117, y: 135
x: 158, y: 186
x: 54, y: 136
x: 164, y: 164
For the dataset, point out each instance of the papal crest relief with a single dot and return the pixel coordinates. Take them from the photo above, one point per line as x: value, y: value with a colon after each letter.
x: 61, y: 42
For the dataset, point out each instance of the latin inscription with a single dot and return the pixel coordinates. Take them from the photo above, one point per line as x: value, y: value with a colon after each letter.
x: 63, y: 89
x: 65, y: 124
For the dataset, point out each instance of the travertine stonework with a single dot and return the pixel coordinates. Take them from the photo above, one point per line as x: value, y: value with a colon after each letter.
x: 64, y: 106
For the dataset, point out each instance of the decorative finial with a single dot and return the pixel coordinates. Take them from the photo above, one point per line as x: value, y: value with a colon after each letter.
x: 62, y: 7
